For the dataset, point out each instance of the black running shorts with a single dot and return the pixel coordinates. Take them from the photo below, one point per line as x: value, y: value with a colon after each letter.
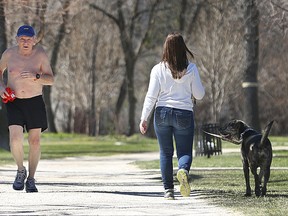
x: 30, y: 113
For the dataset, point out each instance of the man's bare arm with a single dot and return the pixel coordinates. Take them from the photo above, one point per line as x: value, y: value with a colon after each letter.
x: 45, y: 79
x: 45, y: 76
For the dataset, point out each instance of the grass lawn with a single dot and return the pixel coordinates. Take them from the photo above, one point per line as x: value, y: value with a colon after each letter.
x: 68, y: 145
x: 226, y: 187
x: 223, y: 187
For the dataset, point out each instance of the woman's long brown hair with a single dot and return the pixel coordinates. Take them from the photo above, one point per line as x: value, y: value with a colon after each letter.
x: 175, y: 54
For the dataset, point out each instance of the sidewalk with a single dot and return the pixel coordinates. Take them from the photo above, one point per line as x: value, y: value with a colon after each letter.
x: 98, y: 186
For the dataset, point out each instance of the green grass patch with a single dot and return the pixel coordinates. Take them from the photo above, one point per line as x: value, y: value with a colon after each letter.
x: 226, y: 187
x: 229, y: 160
x: 278, y: 141
x: 73, y: 145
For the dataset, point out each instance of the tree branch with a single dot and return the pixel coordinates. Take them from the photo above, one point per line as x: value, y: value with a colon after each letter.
x: 113, y: 18
x: 279, y: 6
x: 148, y: 26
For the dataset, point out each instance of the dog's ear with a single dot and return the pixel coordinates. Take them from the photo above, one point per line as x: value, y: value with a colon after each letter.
x: 241, y: 126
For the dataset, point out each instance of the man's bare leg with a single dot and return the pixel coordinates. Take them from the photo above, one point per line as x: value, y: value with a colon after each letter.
x: 34, y: 150
x: 16, y: 145
x: 33, y: 158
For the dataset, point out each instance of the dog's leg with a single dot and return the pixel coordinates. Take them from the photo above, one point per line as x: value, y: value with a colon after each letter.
x: 261, y: 174
x: 246, y: 174
x: 266, y: 179
x: 257, y: 181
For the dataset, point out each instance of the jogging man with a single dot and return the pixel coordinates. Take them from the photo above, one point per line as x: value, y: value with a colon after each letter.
x: 28, y: 71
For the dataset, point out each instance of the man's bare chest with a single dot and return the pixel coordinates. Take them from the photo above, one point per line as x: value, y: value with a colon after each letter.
x: 19, y: 64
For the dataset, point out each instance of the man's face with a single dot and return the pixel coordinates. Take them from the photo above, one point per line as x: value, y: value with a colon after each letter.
x: 26, y: 43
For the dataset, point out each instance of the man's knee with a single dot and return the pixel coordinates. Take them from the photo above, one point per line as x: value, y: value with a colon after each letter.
x: 34, y: 141
x: 16, y: 136
x: 34, y: 137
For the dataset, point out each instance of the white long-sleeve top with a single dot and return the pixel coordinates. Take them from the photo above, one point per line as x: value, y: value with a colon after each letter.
x: 166, y: 91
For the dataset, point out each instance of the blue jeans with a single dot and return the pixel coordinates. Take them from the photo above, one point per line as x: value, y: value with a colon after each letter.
x: 169, y: 122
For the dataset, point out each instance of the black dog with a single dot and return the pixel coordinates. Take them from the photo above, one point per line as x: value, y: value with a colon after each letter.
x: 256, y: 152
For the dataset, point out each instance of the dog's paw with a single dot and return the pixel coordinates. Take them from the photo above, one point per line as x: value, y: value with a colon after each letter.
x: 257, y: 192
x: 263, y: 194
x: 247, y: 194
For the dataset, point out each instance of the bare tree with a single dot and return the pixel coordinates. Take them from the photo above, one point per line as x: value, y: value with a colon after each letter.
x: 3, y: 45
x: 130, y: 23
x: 214, y: 34
x: 273, y: 63
x: 250, y: 81
x: 54, y: 59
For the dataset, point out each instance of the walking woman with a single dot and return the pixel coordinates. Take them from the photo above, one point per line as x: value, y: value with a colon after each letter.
x: 173, y: 83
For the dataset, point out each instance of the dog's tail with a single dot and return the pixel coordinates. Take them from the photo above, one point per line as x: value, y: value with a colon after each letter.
x: 266, y: 133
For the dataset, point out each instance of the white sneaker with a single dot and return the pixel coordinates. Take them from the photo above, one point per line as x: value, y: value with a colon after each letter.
x: 182, y: 176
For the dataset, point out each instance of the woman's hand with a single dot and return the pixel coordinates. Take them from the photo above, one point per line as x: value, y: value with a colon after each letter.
x: 143, y: 126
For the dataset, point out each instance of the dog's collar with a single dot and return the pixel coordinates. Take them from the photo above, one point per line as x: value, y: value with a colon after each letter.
x: 245, y: 131
x: 251, y: 138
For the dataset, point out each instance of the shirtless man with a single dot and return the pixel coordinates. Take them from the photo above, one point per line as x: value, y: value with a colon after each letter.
x: 28, y: 70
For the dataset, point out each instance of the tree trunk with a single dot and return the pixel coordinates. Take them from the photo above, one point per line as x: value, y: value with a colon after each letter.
x: 131, y: 96
x: 54, y: 58
x: 4, y: 137
x: 3, y: 40
x: 250, y: 85
x: 182, y: 15
x: 119, y: 103
x: 92, y: 112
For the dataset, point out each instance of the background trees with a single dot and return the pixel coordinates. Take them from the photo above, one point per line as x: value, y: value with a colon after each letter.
x: 3, y: 43
x: 134, y: 22
x: 102, y: 53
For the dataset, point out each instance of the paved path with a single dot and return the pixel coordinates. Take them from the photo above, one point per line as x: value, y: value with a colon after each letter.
x: 98, y: 186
